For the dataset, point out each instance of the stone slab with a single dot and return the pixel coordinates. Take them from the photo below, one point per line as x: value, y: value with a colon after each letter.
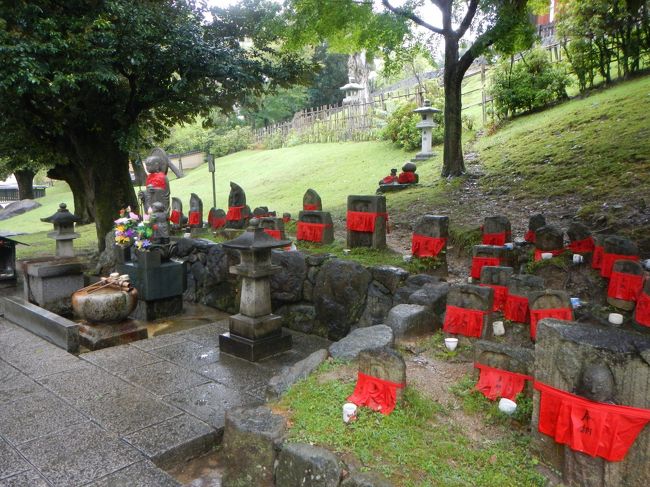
x: 15, y: 385
x: 188, y: 354
x: 141, y: 474
x: 238, y: 374
x: 368, y: 338
x: 207, y: 335
x: 30, y: 478
x: 38, y: 358
x: 103, y: 335
x: 255, y: 350
x: 79, y: 455
x: 155, y: 309
x: 11, y: 463
x: 163, y: 378
x: 52, y: 267
x: 165, y: 281
x: 53, y: 328
x: 36, y: 415
x: 210, y: 401
x: 158, y: 341
x: 120, y: 358
x: 175, y: 440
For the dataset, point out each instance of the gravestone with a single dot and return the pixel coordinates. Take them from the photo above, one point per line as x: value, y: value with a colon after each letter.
x: 470, y: 297
x: 496, y: 278
x: 311, y: 201
x: 367, y: 221
x: 238, y: 212
x: 548, y: 304
x: 195, y: 216
x: 262, y: 212
x: 430, y: 237
x: 534, y: 223
x: 580, y: 239
x: 216, y: 218
x: 642, y: 310
x: 286, y: 217
x: 496, y: 230
x: 520, y: 289
x: 315, y: 226
x: 617, y: 248
x: 386, y: 364
x: 273, y: 226
x: 548, y: 239
x: 490, y: 255
x: 177, y: 219
x: 625, y: 284
x: 600, y: 364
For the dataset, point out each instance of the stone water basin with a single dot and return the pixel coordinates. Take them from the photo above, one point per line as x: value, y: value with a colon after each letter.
x: 105, y: 305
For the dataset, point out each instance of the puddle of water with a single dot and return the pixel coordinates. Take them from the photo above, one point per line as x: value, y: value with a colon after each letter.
x: 204, y: 471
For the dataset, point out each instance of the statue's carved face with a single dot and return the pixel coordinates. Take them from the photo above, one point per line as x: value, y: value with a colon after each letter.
x: 597, y: 383
x: 154, y: 164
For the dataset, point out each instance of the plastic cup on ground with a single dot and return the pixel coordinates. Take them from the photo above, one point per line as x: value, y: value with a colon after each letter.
x: 507, y: 406
x: 451, y: 343
x: 615, y: 318
x: 349, y: 412
x: 498, y: 329
x: 547, y: 255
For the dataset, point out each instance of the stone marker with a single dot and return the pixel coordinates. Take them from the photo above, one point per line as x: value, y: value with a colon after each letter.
x: 548, y: 304
x: 250, y: 440
x: 605, y: 365
x: 311, y: 201
x: 385, y: 364
x: 302, y: 465
x: 496, y: 277
x: 534, y: 223
x: 361, y: 339
x: 315, y: 226
x: 177, y: 219
x: 195, y: 216
x: 216, y: 218
x: 50, y: 283
x: 280, y: 383
x: 520, y: 288
x: 430, y: 238
x: 472, y: 298
x: 504, y: 356
x: 238, y: 212
x: 625, y: 284
x: 262, y: 212
x: 274, y: 227
x: 489, y: 255
x: 617, y: 248
x: 496, y: 230
x: 367, y: 221
x: 548, y: 239
x: 580, y: 239
x: 408, y: 320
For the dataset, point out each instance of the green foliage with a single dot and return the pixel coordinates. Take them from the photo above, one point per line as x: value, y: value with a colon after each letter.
x: 234, y: 140
x: 531, y: 83
x: 416, y: 445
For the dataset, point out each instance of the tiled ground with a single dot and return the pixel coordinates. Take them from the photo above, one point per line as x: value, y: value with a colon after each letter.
x: 104, y: 418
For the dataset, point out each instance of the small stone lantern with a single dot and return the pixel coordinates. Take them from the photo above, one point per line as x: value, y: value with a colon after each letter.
x: 255, y: 333
x: 63, y: 233
x: 351, y: 90
x: 426, y: 125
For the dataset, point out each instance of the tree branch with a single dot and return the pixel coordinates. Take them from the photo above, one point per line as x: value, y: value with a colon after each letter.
x: 410, y: 15
x: 479, y: 46
x: 467, y: 20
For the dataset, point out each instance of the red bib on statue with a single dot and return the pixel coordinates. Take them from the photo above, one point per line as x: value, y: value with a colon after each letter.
x: 582, y: 246
x: 495, y: 238
x: 234, y: 213
x: 361, y: 221
x: 377, y: 394
x: 479, y: 262
x: 273, y: 233
x: 596, y: 429
x: 608, y: 262
x: 500, y: 296
x: 175, y: 217
x: 463, y: 321
x: 194, y: 218
x: 157, y: 180
x: 310, y: 232
x: 495, y: 383
x: 422, y: 246
x: 516, y: 309
x: 624, y: 286
x: 530, y: 236
x: 539, y: 314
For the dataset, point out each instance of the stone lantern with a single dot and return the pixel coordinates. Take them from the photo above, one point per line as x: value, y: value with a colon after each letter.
x: 426, y: 125
x: 352, y: 90
x: 63, y: 233
x: 255, y: 333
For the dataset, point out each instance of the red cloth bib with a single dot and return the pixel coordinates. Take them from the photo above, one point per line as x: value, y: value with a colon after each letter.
x: 495, y: 238
x: 582, y: 246
x: 377, y: 394
x: 516, y: 309
x: 530, y: 236
x: 310, y: 232
x: 234, y: 213
x: 596, y: 429
x: 406, y: 178
x: 389, y: 180
x: 309, y: 207
x: 624, y: 286
x: 361, y: 221
x: 215, y: 222
x: 608, y: 262
x: 597, y: 257
x: 642, y: 310
x: 194, y: 218
x: 463, y: 321
x: 539, y: 314
x: 157, y: 180
x: 273, y: 233
x: 422, y: 246
x: 500, y: 296
x: 175, y: 217
x: 286, y: 219
x: 538, y: 253
x: 495, y: 383
x: 479, y: 262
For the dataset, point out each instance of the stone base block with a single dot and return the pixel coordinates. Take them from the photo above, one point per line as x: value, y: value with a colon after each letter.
x: 255, y: 328
x: 96, y: 336
x: 165, y: 281
x: 148, y: 310
x: 255, y: 350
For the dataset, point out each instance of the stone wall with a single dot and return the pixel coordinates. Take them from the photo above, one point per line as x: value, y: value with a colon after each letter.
x: 316, y: 294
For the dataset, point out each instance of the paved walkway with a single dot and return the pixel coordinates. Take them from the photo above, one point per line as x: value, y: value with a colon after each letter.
x: 111, y: 417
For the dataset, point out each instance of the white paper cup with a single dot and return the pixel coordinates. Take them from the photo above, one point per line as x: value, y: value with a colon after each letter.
x: 498, y: 329
x: 470, y: 280
x: 407, y: 258
x: 347, y: 251
x: 615, y: 318
x: 547, y: 255
x: 451, y: 343
x: 578, y: 259
x: 507, y: 406
x: 187, y: 235
x: 349, y: 412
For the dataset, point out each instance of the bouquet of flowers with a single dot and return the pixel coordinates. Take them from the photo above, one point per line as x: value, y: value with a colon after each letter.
x: 144, y: 231
x: 125, y: 227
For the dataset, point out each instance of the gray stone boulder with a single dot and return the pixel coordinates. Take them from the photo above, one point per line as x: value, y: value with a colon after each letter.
x: 378, y: 303
x: 389, y: 276
x: 412, y: 284
x: 286, y: 285
x: 365, y: 480
x: 302, y: 465
x: 407, y: 320
x: 361, y: 339
x: 299, y: 317
x: 432, y: 295
x: 18, y: 208
x: 281, y: 382
x: 340, y: 296
x: 250, y: 442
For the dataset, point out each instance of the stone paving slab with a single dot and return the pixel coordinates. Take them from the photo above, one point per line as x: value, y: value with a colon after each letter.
x: 207, y: 334
x: 79, y: 455
x: 14, y: 384
x: 163, y: 378
x: 120, y: 358
x: 188, y: 354
x: 30, y: 478
x: 141, y: 474
x: 183, y: 437
x: 158, y: 341
x: 11, y: 463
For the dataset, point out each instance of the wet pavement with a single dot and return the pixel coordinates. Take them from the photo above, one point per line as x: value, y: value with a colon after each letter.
x: 117, y: 416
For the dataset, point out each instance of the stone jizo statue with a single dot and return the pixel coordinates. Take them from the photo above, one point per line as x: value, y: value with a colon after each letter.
x: 157, y: 165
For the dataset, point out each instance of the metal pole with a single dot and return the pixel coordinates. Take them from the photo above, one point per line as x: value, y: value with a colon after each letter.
x: 211, y: 169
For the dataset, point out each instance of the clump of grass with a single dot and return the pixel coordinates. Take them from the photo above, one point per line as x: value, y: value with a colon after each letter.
x: 416, y: 445
x: 363, y: 255
x: 464, y: 239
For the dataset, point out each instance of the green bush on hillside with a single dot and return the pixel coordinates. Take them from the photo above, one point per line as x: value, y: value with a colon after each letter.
x: 234, y: 140
x: 530, y: 83
x: 401, y: 127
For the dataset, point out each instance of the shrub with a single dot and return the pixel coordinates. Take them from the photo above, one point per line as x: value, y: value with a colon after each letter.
x: 401, y: 127
x: 533, y: 82
x: 234, y: 140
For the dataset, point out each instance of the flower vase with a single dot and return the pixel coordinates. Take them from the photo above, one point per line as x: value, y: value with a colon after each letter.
x: 122, y: 253
x: 147, y: 259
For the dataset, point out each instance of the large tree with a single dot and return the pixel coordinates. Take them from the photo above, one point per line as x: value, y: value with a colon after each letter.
x: 85, y: 80
x: 490, y: 22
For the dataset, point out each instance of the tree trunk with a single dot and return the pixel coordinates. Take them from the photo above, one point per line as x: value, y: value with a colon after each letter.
x: 453, y: 164
x: 25, y: 180
x: 82, y: 194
